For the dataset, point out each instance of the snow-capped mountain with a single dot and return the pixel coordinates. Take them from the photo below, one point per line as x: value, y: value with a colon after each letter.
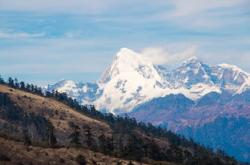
x: 195, y: 99
x: 131, y: 80
x: 85, y: 93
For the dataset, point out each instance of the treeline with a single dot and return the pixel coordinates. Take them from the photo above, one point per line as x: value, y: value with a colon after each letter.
x: 117, y: 123
x: 125, y: 142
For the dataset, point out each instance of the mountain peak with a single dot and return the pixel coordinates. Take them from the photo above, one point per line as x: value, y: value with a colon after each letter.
x: 62, y: 86
x: 192, y: 60
x: 65, y: 82
x: 232, y: 67
x: 125, y: 52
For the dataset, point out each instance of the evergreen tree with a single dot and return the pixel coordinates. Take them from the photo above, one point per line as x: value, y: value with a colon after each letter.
x: 22, y: 85
x: 28, y: 87
x: 89, y: 138
x: 75, y: 138
x: 26, y: 137
x: 11, y: 82
x: 16, y: 83
x: 75, y: 135
x: 1, y: 80
x: 50, y: 135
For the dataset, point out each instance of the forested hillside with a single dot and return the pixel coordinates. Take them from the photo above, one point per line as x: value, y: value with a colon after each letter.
x: 48, y: 122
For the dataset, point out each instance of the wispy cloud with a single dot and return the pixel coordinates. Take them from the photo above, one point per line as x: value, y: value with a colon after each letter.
x: 206, y: 13
x: 194, y: 7
x: 75, y: 6
x: 187, y: 13
x: 19, y: 35
x: 159, y: 55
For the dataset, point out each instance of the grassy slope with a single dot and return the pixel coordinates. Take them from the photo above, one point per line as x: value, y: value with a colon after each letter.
x: 59, y: 115
x: 18, y: 152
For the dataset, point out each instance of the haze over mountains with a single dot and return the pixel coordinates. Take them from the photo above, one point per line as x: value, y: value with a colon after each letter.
x: 207, y: 103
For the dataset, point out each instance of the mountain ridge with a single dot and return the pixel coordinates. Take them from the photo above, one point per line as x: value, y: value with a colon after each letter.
x: 132, y: 80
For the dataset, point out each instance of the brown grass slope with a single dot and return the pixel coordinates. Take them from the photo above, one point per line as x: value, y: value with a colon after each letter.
x: 59, y: 114
x: 16, y: 153
x: 28, y: 122
x: 41, y: 130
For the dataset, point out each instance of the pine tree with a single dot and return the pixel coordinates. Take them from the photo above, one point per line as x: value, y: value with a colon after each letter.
x: 11, y: 82
x: 89, y: 138
x: 51, y: 137
x: 1, y: 80
x: 75, y: 138
x: 26, y: 137
x: 75, y: 135
x: 16, y: 83
x: 22, y: 85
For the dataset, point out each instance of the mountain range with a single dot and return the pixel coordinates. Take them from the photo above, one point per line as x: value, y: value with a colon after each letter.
x: 207, y: 103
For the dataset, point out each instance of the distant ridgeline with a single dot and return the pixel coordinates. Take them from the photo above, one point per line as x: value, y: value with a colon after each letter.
x: 123, y: 137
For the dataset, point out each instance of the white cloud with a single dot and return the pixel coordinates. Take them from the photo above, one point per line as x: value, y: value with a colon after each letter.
x: 74, y: 6
x: 187, y: 13
x: 21, y: 35
x: 181, y: 7
x: 193, y: 7
x: 160, y: 56
x: 205, y: 13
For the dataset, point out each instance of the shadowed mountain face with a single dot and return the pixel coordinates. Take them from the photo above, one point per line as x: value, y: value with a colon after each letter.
x: 231, y: 134
x: 216, y: 120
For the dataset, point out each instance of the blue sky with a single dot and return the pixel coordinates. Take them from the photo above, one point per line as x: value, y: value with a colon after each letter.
x: 46, y: 41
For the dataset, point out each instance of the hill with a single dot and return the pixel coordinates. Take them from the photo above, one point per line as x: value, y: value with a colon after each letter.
x: 56, y: 127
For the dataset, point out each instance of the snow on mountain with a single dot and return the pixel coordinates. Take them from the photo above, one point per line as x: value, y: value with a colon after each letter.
x: 67, y: 86
x: 131, y: 80
x: 191, y: 72
x: 244, y: 87
x: 231, y: 78
x: 84, y: 93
